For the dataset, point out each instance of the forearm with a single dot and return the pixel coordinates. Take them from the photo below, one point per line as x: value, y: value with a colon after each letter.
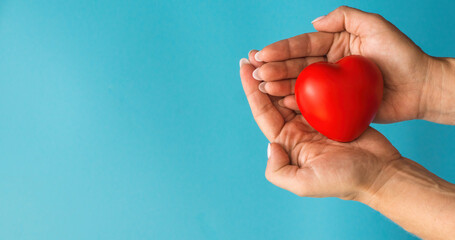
x: 438, y: 98
x: 415, y: 199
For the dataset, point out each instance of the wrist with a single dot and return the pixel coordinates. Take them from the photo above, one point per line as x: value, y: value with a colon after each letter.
x: 414, y: 198
x: 438, y: 92
x: 369, y: 194
x: 402, y: 176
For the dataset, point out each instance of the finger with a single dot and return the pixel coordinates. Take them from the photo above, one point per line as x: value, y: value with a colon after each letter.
x: 264, y: 112
x: 278, y: 88
x: 305, y: 45
x: 281, y: 173
x: 278, y: 158
x: 351, y: 20
x: 274, y: 71
x: 252, y: 60
x: 287, y: 113
x: 289, y: 102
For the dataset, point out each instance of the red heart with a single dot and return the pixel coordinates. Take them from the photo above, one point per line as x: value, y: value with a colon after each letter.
x: 341, y: 99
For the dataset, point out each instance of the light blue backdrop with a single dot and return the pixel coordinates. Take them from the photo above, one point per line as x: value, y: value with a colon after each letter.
x: 127, y: 120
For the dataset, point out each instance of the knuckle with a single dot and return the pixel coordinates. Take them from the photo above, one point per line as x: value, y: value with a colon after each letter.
x: 309, y: 45
x: 342, y: 8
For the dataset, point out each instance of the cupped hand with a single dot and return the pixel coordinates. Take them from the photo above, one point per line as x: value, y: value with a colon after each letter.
x: 307, y: 163
x: 347, y: 31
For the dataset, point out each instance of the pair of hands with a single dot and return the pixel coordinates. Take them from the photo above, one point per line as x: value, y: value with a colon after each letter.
x: 302, y: 160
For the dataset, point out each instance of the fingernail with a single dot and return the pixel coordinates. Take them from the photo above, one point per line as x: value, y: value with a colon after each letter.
x: 317, y: 19
x: 268, y: 150
x: 280, y: 102
x: 262, y: 87
x: 256, y: 74
x: 244, y: 61
x: 257, y: 56
x: 250, y: 51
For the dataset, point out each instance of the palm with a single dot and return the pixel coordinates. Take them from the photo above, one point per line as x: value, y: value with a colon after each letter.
x: 340, y: 168
x: 319, y: 167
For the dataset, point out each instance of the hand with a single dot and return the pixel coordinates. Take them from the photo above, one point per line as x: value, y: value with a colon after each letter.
x: 368, y: 170
x: 307, y: 163
x: 406, y: 69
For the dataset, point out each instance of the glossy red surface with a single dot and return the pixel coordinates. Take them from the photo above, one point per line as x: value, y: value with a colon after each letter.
x: 341, y: 99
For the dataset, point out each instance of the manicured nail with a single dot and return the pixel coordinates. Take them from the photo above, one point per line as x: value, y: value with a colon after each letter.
x: 256, y: 74
x: 268, y: 150
x: 317, y: 19
x: 262, y: 87
x: 251, y: 51
x: 244, y: 61
x: 257, y: 56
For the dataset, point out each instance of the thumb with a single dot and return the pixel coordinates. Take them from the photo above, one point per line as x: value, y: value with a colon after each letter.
x: 281, y: 173
x: 278, y: 158
x: 348, y: 19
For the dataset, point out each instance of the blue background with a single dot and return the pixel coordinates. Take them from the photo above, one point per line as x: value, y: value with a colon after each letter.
x: 127, y: 120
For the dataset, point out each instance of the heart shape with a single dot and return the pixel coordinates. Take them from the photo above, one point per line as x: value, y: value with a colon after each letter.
x: 340, y: 99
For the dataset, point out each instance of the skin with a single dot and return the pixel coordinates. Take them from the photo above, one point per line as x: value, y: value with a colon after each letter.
x: 369, y: 170
x: 412, y: 90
